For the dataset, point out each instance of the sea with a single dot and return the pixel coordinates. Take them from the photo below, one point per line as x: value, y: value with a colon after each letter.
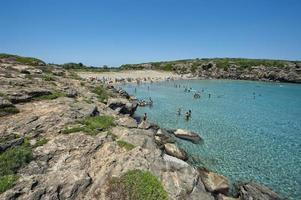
x: 251, y: 130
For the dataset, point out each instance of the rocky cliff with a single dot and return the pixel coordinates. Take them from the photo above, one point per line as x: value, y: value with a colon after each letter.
x: 228, y: 68
x: 62, y: 137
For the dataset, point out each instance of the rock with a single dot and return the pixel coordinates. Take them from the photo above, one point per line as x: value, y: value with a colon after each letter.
x: 213, y: 182
x: 188, y: 135
x: 27, y: 95
x: 173, y: 150
x: 94, y: 112
x: 250, y: 191
x: 144, y: 125
x: 127, y: 122
x: 71, y: 93
x: 175, y: 160
x: 122, y: 105
x: 4, y: 103
x: 223, y: 197
x: 162, y: 137
x: 10, y: 144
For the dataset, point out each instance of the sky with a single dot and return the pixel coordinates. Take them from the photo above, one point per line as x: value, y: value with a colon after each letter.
x: 115, y: 32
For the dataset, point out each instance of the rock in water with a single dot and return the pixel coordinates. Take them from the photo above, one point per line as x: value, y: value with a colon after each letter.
x: 253, y: 191
x: 188, y: 135
x: 162, y: 137
x: 173, y: 150
x: 213, y: 182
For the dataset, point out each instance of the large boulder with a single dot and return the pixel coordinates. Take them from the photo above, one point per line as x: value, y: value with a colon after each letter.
x: 145, y: 125
x: 127, y: 122
x: 188, y: 135
x: 173, y: 150
x: 123, y: 106
x: 163, y: 136
x: 250, y: 191
x: 71, y: 93
x: 213, y: 182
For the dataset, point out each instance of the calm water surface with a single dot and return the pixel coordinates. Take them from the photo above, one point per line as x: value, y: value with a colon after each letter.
x: 252, y: 130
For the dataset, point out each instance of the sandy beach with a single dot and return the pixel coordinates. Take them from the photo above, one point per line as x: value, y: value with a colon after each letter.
x: 134, y: 76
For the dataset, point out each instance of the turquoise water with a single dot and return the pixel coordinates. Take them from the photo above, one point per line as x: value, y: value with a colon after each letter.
x: 252, y: 130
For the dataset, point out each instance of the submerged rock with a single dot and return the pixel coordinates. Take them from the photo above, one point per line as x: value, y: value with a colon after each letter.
x: 188, y: 135
x: 250, y: 191
x: 213, y: 182
x: 173, y: 150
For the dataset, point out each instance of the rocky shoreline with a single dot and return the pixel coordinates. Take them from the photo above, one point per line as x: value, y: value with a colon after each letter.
x: 78, y: 135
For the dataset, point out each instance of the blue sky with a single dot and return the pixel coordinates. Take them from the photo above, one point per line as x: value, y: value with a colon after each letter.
x: 114, y: 32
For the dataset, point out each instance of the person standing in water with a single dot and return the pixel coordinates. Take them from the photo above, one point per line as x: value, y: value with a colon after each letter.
x: 179, y: 111
x: 187, y: 116
x: 189, y: 113
x: 209, y: 95
x: 135, y: 90
x: 144, y: 117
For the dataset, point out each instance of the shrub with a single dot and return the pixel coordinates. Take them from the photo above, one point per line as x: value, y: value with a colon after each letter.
x: 102, y: 93
x: 48, y: 77
x: 91, y: 125
x: 7, y: 182
x: 40, y: 142
x: 125, y: 145
x: 12, y: 159
x: 8, y: 110
x: 138, y: 185
x: 51, y: 96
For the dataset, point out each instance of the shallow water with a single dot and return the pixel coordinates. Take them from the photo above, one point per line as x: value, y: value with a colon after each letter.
x: 252, y: 130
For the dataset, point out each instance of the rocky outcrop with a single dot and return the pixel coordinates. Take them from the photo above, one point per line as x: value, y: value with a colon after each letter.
x: 250, y: 191
x: 27, y: 95
x: 127, y: 122
x: 173, y: 150
x: 188, y: 135
x: 122, y: 106
x: 163, y: 136
x: 213, y: 182
x: 11, y: 143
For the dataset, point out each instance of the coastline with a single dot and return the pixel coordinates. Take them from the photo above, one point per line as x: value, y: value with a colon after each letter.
x: 232, y: 190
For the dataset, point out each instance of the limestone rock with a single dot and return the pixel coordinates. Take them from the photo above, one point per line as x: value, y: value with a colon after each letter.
x: 71, y: 93
x: 173, y: 150
x: 162, y: 137
x: 122, y: 105
x: 250, y: 191
x: 188, y: 135
x: 213, y: 182
x: 127, y: 122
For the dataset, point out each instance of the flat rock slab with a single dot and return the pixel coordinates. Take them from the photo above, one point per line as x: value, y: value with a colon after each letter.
x: 172, y: 159
x: 250, y: 191
x: 173, y: 150
x: 188, y: 135
x: 127, y: 122
x: 213, y: 182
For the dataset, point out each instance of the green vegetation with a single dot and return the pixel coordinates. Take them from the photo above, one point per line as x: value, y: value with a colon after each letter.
x: 10, y: 161
x: 125, y: 145
x: 51, y: 96
x: 40, y: 142
x: 48, y: 77
x: 82, y: 67
x: 7, y: 182
x: 223, y: 63
x: 2, y: 94
x: 102, y: 93
x: 23, y: 60
x: 138, y: 185
x: 91, y: 125
x: 8, y: 110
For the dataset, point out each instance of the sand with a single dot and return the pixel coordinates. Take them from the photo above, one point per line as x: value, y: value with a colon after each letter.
x: 131, y: 76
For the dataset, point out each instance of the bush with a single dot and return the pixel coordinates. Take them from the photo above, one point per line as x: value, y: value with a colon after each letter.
x: 102, y: 93
x: 138, y: 185
x: 51, y: 96
x: 8, y: 110
x: 125, y: 145
x: 7, y: 182
x: 91, y: 125
x: 40, y: 142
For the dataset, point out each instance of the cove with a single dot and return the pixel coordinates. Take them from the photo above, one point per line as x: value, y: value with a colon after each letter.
x: 252, y: 130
